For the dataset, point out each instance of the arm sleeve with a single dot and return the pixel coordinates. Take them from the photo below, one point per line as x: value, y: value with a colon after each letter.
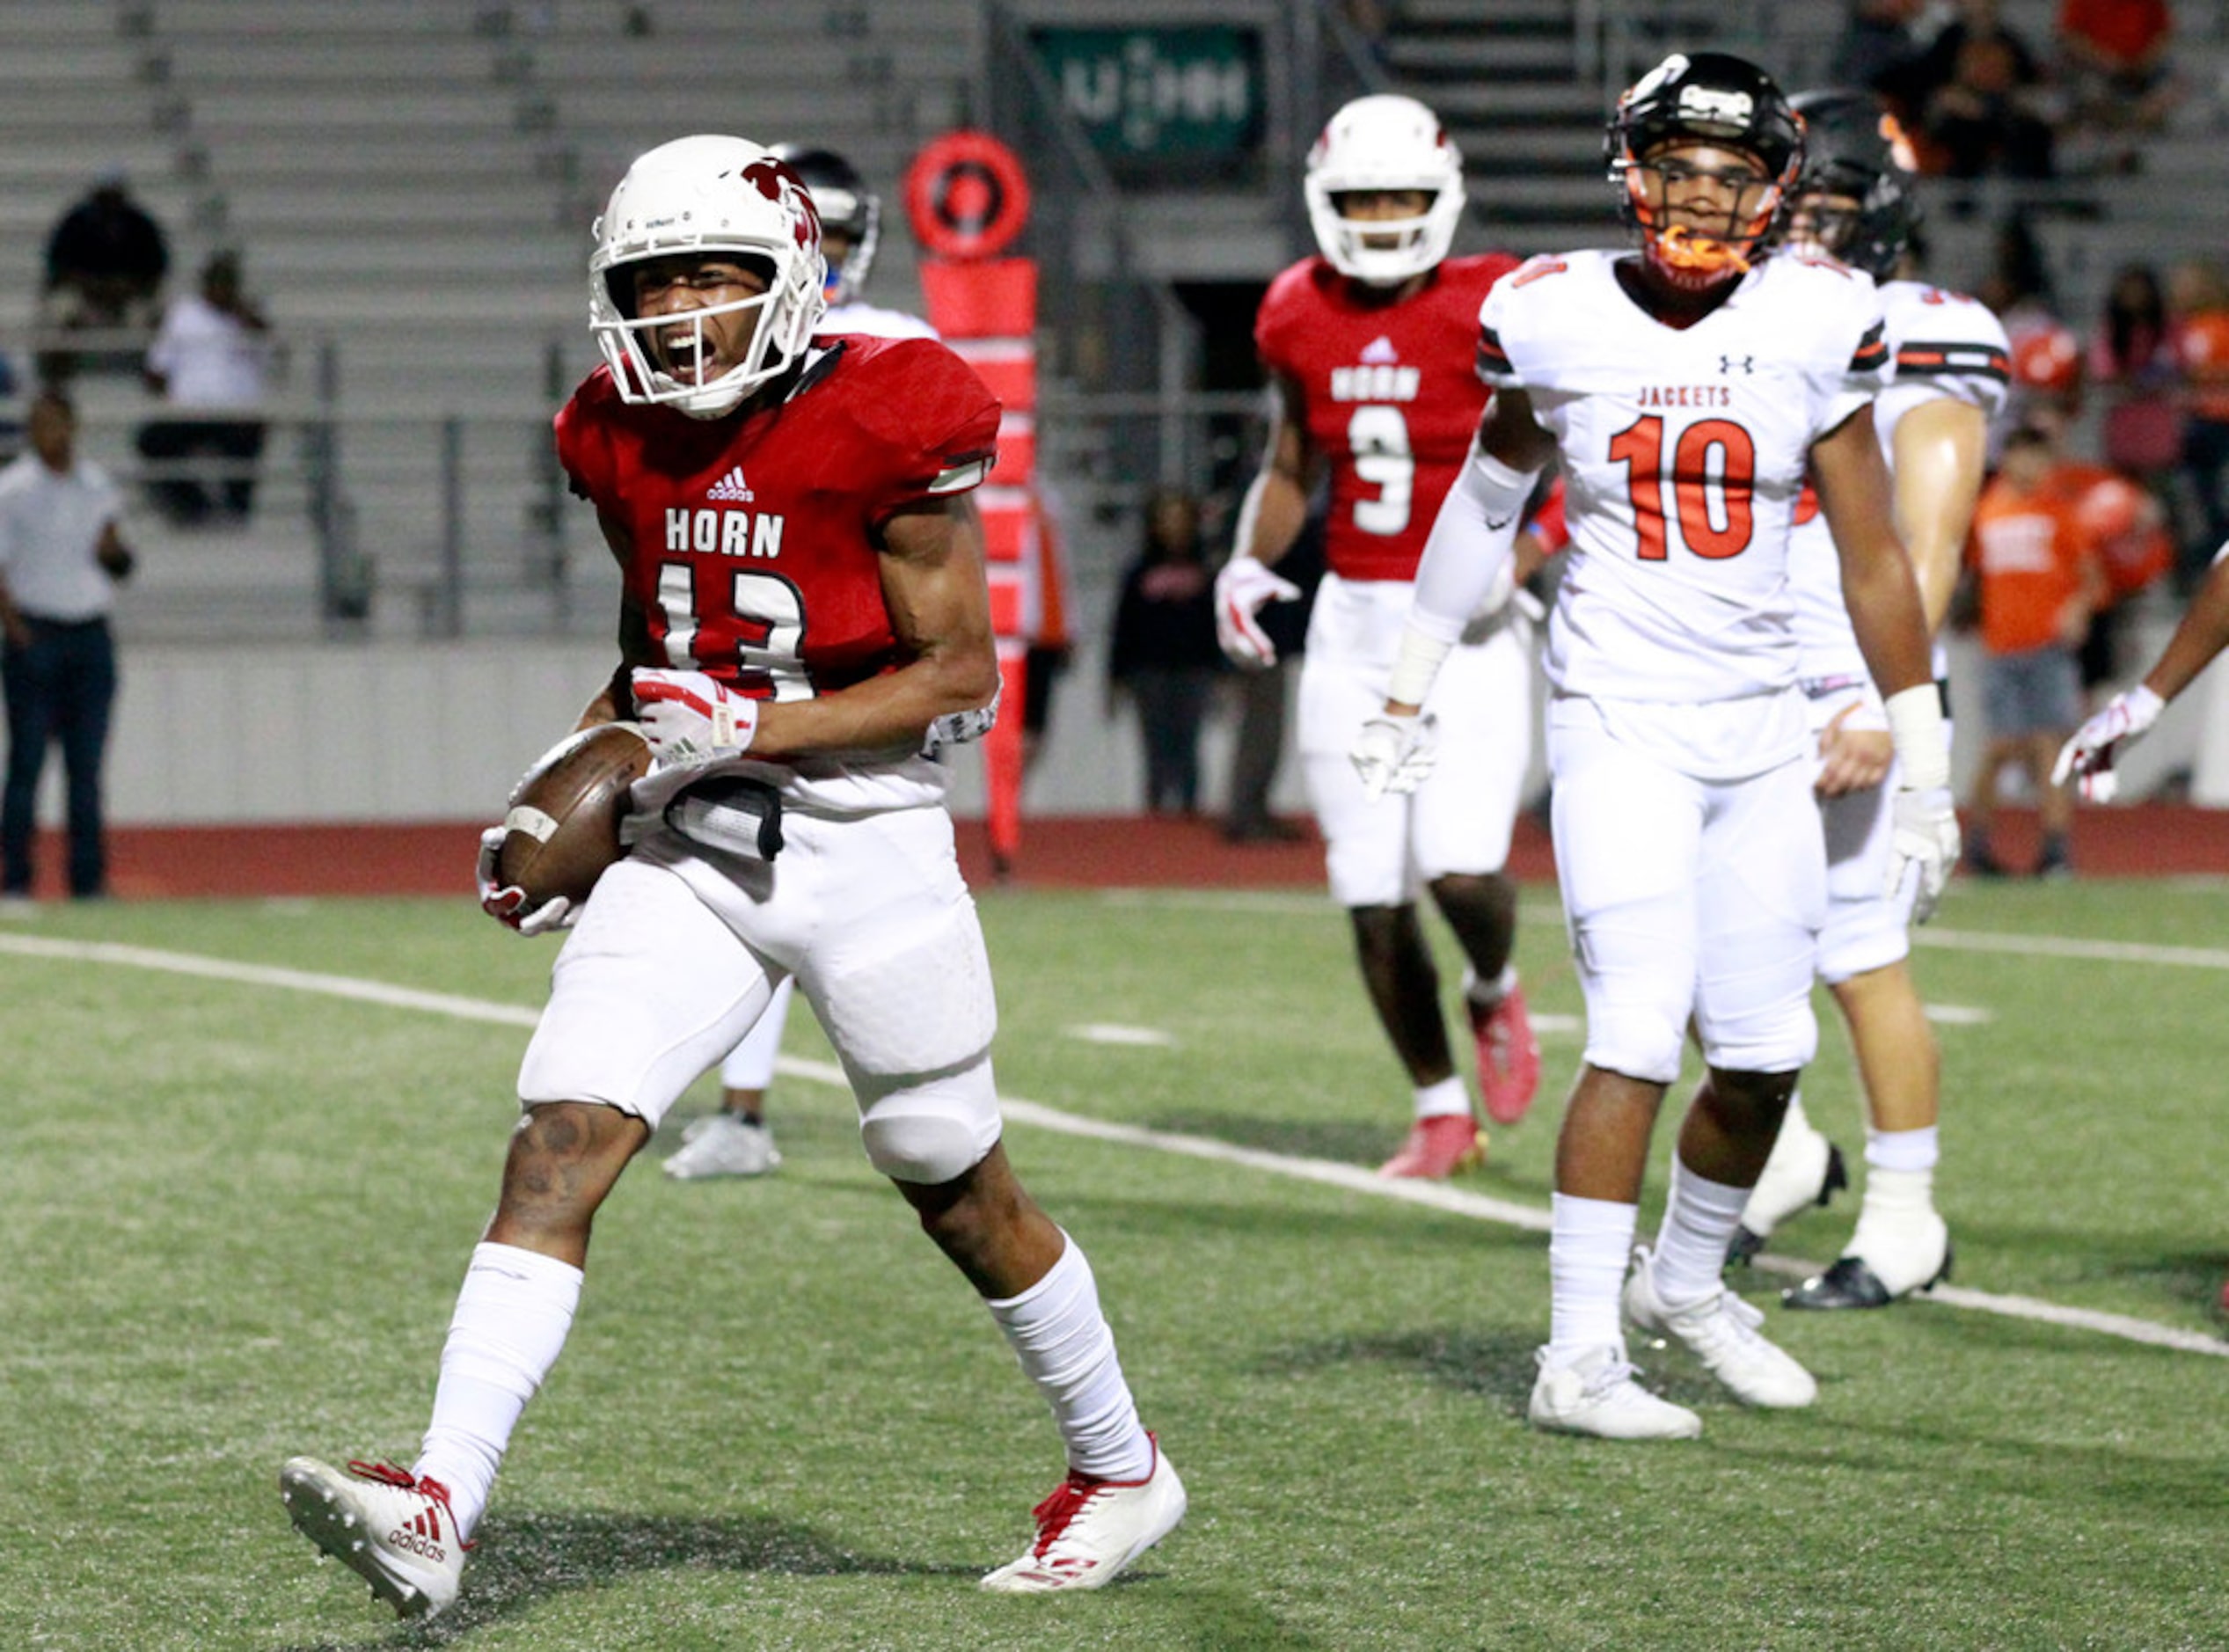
x: 1474, y: 535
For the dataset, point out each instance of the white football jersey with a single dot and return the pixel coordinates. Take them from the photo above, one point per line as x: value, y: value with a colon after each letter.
x: 1941, y: 345
x: 1683, y: 454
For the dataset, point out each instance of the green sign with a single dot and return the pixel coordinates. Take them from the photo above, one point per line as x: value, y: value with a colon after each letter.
x: 1188, y: 94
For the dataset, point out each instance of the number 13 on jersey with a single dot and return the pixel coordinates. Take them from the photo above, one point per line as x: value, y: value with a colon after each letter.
x: 1710, y: 472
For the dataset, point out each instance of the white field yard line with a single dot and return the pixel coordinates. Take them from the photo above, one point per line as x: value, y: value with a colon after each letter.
x: 1354, y: 1177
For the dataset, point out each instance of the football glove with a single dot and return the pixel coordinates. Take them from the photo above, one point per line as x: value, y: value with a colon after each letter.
x: 690, y: 719
x: 1923, y: 844
x: 506, y: 902
x: 1241, y: 588
x: 1394, y: 753
x: 2087, y: 758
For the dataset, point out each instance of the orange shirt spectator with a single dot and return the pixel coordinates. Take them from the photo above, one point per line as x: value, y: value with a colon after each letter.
x: 2039, y: 572
x: 2126, y: 526
x: 2203, y: 342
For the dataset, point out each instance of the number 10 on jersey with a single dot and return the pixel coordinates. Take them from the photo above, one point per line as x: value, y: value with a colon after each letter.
x: 1711, y: 472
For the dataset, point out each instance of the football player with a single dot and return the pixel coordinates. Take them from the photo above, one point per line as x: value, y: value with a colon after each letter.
x: 1948, y: 374
x: 735, y: 1140
x: 1686, y: 387
x: 803, y: 601
x: 2087, y: 760
x: 1367, y: 347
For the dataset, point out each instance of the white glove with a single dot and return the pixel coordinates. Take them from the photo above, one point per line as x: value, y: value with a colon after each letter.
x: 1923, y: 842
x: 1241, y: 588
x: 1394, y: 753
x: 2087, y: 758
x: 690, y: 719
x: 505, y: 902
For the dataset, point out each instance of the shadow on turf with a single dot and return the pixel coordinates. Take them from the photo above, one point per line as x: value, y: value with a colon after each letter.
x: 1496, y: 1365
x: 524, y: 1557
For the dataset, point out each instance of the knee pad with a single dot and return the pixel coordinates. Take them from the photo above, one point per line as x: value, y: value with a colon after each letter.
x: 933, y: 1130
x: 1779, y: 1039
x: 1634, y: 1040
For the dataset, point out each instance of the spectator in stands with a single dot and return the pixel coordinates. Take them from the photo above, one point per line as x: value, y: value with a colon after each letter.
x: 61, y: 555
x: 2132, y: 358
x: 2046, y: 355
x: 1987, y: 116
x: 2113, y: 57
x: 107, y: 258
x: 2038, y: 583
x: 211, y: 360
x: 2198, y: 302
x: 1164, y: 655
x: 2135, y: 550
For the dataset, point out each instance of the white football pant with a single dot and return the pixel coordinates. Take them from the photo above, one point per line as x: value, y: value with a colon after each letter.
x: 1686, y: 896
x: 1382, y: 853
x: 676, y: 953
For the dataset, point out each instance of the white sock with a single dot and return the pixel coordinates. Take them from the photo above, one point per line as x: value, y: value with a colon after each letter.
x: 1903, y: 1150
x: 1898, y: 1203
x: 1699, y: 1219
x: 510, y: 1324
x: 1487, y: 996
x: 1067, y: 1347
x: 1447, y: 1099
x: 1589, y: 1241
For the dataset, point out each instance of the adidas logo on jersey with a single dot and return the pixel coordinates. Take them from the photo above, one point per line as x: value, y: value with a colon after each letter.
x: 1379, y: 351
x: 731, y: 485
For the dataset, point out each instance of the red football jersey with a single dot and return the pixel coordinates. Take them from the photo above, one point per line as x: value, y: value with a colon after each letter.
x: 750, y: 539
x: 1393, y: 399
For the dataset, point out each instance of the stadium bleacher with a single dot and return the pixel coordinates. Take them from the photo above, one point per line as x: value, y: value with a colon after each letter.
x: 411, y: 185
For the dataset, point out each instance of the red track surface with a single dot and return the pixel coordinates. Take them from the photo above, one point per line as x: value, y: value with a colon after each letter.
x: 161, y: 863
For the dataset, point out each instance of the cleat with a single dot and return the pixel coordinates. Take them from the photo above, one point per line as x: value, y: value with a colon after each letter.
x: 1090, y: 1529
x: 1508, y: 1055
x: 723, y: 1144
x: 1852, y: 1283
x: 1598, y: 1394
x: 1721, y: 1330
x: 1438, y: 1147
x: 1805, y: 1170
x: 392, y: 1529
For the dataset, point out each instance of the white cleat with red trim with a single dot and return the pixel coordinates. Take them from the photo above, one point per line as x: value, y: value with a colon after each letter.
x: 1090, y: 1529
x: 392, y: 1529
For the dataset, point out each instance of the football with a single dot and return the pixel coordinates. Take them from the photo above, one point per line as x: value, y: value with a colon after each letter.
x: 562, y: 829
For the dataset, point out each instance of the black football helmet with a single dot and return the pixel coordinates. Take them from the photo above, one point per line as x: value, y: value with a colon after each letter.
x: 847, y: 208
x: 1853, y: 147
x: 1704, y: 98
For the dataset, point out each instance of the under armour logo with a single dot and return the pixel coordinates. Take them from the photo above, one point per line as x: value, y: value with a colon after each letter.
x: 1746, y: 364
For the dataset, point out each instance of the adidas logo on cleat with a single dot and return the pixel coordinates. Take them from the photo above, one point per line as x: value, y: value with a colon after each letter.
x: 421, y: 1537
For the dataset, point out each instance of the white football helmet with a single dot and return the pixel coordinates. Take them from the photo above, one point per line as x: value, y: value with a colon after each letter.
x: 1384, y: 142
x: 707, y: 194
